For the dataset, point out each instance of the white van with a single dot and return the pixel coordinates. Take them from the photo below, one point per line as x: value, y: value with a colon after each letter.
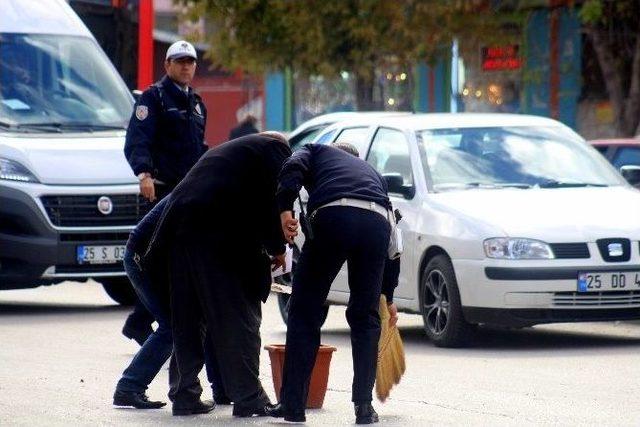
x: 67, y: 195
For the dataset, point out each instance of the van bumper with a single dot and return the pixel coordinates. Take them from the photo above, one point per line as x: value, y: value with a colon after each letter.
x: 34, y: 253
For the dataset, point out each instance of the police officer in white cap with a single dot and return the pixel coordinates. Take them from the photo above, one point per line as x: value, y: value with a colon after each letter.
x: 164, y: 140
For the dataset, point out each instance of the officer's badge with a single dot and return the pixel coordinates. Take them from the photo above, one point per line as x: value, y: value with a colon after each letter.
x: 142, y: 111
x: 198, y: 109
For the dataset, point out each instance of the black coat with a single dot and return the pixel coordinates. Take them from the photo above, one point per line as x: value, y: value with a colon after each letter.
x: 227, y: 200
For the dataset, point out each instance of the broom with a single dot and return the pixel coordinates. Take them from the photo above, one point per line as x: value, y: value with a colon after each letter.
x: 391, y: 363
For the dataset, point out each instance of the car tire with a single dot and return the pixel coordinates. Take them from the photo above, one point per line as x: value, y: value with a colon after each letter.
x: 283, y: 305
x: 120, y: 290
x: 440, y: 305
x: 283, y: 299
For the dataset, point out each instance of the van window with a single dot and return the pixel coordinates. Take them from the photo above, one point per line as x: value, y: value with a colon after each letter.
x: 59, y: 83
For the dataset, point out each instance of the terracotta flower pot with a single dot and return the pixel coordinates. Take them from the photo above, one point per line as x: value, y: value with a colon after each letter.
x: 319, y: 375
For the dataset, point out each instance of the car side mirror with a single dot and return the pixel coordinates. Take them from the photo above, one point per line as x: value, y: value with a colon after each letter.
x: 631, y: 173
x: 395, y: 184
x: 136, y: 94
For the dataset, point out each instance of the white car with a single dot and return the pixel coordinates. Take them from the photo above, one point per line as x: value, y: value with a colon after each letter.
x: 507, y: 220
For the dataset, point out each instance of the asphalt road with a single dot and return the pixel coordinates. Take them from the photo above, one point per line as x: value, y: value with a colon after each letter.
x: 61, y: 354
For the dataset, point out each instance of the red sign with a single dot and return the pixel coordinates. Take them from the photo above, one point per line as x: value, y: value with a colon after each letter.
x: 501, y: 58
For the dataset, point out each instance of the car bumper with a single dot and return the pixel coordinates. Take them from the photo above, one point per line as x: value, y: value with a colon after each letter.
x: 530, y: 292
x: 34, y: 252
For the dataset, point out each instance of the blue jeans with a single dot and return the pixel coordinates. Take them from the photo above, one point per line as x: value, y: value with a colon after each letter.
x: 157, y: 349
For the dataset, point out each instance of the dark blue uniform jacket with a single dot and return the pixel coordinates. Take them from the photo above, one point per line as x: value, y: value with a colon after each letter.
x: 166, y: 132
x: 329, y: 174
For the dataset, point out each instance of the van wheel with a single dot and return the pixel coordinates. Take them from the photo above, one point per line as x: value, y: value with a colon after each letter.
x: 120, y: 290
x: 283, y: 299
x: 440, y: 305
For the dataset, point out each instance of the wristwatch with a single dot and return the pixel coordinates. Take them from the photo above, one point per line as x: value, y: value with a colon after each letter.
x: 143, y: 175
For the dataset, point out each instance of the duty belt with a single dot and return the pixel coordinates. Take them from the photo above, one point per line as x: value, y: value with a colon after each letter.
x: 357, y: 203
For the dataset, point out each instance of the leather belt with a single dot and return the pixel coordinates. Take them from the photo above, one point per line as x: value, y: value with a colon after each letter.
x: 357, y: 203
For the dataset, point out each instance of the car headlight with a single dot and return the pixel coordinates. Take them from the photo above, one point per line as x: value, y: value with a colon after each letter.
x: 506, y: 248
x: 11, y: 170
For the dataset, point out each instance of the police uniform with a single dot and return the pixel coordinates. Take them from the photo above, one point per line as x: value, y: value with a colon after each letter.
x: 165, y: 137
x: 348, y: 206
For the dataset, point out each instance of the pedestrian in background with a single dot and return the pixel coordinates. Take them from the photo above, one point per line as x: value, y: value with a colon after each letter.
x: 246, y: 126
x: 215, y: 232
x: 349, y: 212
x: 164, y: 140
x: 153, y: 292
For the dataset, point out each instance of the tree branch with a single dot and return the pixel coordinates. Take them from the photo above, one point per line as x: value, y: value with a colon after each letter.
x: 610, y: 73
x: 632, y: 107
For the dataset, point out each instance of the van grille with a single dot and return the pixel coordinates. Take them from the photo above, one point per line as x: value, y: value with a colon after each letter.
x: 609, y: 298
x: 82, y: 211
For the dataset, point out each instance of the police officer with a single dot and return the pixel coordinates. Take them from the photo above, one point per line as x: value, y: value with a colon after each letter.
x: 164, y: 140
x: 349, y: 210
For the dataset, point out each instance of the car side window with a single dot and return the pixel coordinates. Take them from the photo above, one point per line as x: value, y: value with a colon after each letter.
x: 355, y: 136
x: 626, y: 156
x: 304, y: 138
x: 390, y: 155
x: 326, y: 138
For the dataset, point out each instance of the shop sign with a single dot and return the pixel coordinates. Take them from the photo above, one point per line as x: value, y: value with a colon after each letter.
x: 501, y: 58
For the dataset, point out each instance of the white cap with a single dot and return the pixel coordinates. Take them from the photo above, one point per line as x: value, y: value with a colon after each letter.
x: 181, y: 49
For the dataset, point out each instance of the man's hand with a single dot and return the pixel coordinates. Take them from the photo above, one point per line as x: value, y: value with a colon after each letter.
x: 277, y: 262
x: 147, y: 189
x: 393, y: 312
x: 289, y: 226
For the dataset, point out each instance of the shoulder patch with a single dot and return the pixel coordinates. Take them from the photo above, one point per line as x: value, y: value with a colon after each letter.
x: 198, y: 109
x: 142, y: 112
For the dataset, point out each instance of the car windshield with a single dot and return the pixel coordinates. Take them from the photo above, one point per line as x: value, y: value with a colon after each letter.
x: 55, y: 83
x: 518, y: 157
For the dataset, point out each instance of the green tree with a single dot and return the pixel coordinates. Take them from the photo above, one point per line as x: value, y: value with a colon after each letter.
x: 325, y: 37
x: 613, y: 26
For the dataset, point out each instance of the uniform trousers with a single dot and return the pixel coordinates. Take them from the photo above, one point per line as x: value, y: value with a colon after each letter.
x: 206, y: 289
x: 359, y: 237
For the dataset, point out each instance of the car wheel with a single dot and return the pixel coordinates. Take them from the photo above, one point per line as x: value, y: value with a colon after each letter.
x: 283, y: 299
x: 440, y: 305
x: 120, y: 290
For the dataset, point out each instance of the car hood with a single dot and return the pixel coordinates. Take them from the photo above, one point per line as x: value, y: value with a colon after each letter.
x: 552, y: 215
x: 71, y: 159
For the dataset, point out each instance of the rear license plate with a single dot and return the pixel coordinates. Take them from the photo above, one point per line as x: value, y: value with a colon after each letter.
x: 99, y: 254
x: 608, y: 281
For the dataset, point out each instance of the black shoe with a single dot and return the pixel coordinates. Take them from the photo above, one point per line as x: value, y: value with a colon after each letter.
x: 199, y: 407
x: 278, y: 411
x: 137, y: 400
x: 244, y: 412
x: 365, y: 414
x: 139, y: 333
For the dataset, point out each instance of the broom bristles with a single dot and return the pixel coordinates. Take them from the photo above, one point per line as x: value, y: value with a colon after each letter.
x: 391, y: 360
